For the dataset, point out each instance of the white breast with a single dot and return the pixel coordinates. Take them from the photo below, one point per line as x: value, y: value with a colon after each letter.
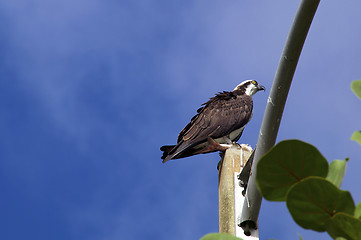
x: 232, y: 136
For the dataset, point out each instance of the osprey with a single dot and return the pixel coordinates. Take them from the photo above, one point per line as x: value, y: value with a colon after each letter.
x: 218, y: 123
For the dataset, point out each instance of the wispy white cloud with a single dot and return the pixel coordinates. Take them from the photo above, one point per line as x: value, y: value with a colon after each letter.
x: 69, y: 53
x: 72, y: 54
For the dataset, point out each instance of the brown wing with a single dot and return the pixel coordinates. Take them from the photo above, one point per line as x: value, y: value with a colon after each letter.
x: 219, y: 117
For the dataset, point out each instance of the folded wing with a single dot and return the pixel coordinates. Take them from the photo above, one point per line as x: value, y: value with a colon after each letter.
x: 219, y: 117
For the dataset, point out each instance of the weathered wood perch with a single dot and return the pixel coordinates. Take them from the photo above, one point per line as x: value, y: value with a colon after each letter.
x: 230, y: 166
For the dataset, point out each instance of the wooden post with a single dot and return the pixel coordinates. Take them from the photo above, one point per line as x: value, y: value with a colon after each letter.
x: 230, y: 166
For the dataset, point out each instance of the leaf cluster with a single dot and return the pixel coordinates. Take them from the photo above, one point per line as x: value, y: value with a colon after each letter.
x: 296, y: 172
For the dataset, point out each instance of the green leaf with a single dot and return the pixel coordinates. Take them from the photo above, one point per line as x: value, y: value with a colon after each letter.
x: 219, y: 236
x: 356, y: 87
x: 336, y: 171
x: 358, y: 211
x: 285, y: 164
x: 344, y: 225
x: 356, y: 136
x: 314, y: 200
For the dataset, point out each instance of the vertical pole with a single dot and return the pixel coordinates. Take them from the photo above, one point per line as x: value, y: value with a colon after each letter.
x: 230, y: 166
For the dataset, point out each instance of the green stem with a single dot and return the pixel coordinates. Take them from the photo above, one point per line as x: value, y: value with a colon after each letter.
x: 276, y: 102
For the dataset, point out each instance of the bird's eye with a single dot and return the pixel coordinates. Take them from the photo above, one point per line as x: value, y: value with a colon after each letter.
x: 254, y: 82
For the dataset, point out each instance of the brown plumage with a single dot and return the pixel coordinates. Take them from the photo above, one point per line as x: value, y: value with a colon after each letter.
x: 221, y: 119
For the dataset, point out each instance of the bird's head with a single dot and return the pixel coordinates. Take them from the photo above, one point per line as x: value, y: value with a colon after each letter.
x: 249, y: 87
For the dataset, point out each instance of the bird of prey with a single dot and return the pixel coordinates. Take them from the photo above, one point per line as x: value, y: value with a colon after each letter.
x: 218, y: 123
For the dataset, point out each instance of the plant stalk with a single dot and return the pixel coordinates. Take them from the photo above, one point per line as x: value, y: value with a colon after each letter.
x: 276, y: 103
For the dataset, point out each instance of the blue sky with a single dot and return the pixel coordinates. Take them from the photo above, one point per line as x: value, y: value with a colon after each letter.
x: 90, y: 90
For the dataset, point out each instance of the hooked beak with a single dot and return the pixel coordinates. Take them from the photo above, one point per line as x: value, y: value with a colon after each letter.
x: 260, y: 87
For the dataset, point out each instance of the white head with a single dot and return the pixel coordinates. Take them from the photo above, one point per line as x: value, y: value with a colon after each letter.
x: 249, y: 87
